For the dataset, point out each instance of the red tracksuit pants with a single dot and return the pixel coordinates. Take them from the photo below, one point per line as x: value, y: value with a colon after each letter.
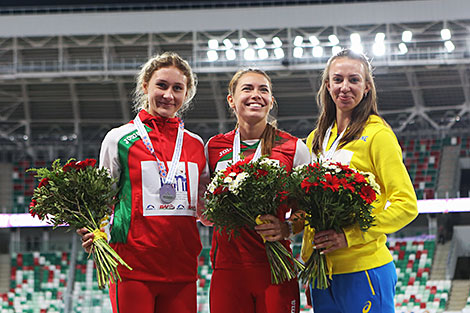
x: 249, y: 290
x: 131, y: 296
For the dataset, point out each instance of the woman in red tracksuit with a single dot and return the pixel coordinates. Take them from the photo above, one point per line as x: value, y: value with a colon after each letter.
x: 241, y: 281
x: 160, y: 166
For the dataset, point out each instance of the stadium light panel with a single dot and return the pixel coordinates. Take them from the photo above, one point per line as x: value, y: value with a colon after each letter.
x: 298, y: 52
x: 212, y: 55
x: 213, y: 44
x: 260, y: 42
x: 263, y: 54
x: 357, y: 47
x: 228, y: 44
x: 378, y: 49
x: 379, y: 37
x: 298, y: 41
x: 336, y: 49
x: 249, y: 54
x: 317, y: 51
x: 333, y: 40
x: 446, y: 34
x: 278, y: 53
x: 314, y: 40
x: 403, y: 48
x: 243, y: 43
x: 277, y: 42
x: 355, y: 38
x: 449, y: 46
x: 230, y: 54
x: 406, y: 36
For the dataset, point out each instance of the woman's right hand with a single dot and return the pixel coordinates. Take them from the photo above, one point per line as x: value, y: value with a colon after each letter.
x: 87, y: 238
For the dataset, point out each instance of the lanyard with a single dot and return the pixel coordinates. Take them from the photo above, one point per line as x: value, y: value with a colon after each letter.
x: 328, y: 155
x: 170, y: 177
x: 236, y: 148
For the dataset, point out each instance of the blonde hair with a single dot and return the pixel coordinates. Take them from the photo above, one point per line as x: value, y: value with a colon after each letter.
x: 268, y: 136
x: 360, y: 114
x: 166, y: 59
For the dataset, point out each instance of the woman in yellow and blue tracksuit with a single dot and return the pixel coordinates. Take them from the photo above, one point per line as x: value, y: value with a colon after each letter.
x: 349, y: 130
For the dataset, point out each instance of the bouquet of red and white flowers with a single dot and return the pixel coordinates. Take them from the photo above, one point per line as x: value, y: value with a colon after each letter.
x: 333, y: 196
x: 238, y: 195
x: 81, y: 195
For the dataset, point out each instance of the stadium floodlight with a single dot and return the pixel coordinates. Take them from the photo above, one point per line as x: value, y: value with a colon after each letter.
x: 314, y: 40
x: 378, y: 49
x: 449, y: 46
x: 263, y: 54
x: 230, y: 54
x: 213, y: 44
x: 298, y: 41
x: 278, y: 53
x: 227, y: 43
x: 317, y: 51
x: 212, y: 55
x: 298, y: 52
x: 403, y: 48
x: 379, y: 37
x: 333, y: 40
x: 277, y: 42
x: 249, y: 54
x: 336, y: 49
x: 445, y: 34
x: 260, y: 42
x: 357, y: 47
x: 355, y: 38
x: 243, y: 43
x: 406, y: 36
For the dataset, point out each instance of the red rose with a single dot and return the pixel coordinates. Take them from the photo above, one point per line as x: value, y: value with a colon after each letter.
x: 85, y: 163
x: 43, y: 182
x: 31, y: 207
x: 91, y: 162
x: 69, y: 166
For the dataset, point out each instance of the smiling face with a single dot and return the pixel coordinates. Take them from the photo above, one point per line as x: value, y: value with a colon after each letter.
x: 347, y: 84
x: 252, y: 98
x: 166, y: 91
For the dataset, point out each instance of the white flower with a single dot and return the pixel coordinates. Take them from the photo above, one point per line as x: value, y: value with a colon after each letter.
x: 270, y: 162
x: 232, y: 174
x: 371, y: 179
x: 213, y: 183
x: 228, y: 180
x: 235, y: 184
x: 211, y: 188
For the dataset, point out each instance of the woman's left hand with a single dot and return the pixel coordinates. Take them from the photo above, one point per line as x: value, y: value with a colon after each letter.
x: 329, y: 240
x: 273, y: 230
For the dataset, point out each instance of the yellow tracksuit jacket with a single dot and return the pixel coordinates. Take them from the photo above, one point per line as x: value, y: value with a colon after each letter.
x: 376, y: 151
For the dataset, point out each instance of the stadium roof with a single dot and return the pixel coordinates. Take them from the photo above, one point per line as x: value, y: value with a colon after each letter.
x: 69, y: 79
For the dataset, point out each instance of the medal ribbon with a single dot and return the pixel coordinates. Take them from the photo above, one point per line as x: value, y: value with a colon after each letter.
x: 168, y: 178
x: 236, y: 148
x: 328, y: 155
